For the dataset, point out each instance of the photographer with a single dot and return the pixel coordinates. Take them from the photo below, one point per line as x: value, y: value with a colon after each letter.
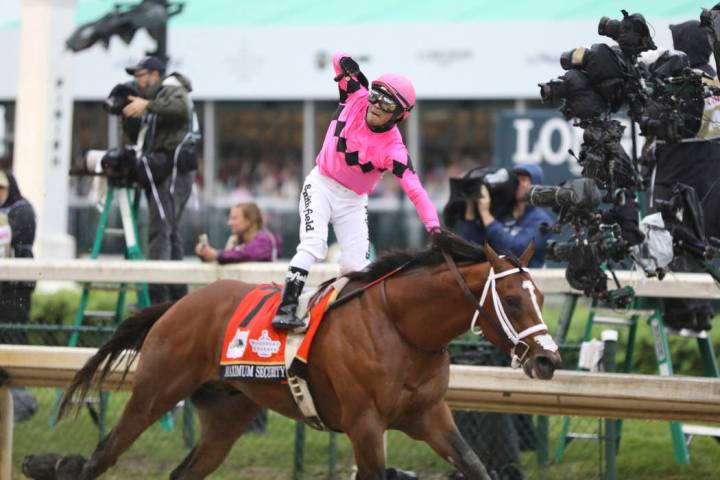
x: 498, y: 438
x: 167, y: 158
x: 512, y: 231
x: 690, y: 161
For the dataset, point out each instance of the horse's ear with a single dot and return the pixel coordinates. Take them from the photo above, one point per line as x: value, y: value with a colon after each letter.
x: 528, y: 253
x: 490, y: 254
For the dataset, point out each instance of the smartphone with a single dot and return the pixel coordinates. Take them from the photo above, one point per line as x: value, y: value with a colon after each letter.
x: 203, y: 239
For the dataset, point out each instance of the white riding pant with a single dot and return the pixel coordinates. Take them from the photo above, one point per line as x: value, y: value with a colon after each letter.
x: 324, y: 201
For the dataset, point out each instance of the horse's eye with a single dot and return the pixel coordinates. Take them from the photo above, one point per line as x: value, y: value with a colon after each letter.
x: 513, y: 302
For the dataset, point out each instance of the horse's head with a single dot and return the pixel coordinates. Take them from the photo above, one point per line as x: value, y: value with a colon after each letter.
x: 512, y: 300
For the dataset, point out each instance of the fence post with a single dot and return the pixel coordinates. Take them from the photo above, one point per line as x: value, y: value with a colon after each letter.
x: 298, y: 458
x: 610, y: 338
x: 6, y: 432
x: 332, y: 457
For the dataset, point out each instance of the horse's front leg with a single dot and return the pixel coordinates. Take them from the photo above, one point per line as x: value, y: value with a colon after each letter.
x: 366, y: 434
x: 437, y: 428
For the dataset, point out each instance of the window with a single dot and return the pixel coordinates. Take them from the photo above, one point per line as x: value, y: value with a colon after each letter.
x: 456, y: 136
x: 259, y: 149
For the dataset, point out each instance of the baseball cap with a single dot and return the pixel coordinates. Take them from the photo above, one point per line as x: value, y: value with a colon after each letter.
x: 4, y: 180
x: 147, y: 63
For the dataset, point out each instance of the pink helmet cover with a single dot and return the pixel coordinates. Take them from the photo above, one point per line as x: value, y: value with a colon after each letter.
x: 400, y: 87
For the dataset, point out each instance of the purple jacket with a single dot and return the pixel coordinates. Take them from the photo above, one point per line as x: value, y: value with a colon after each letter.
x: 264, y: 247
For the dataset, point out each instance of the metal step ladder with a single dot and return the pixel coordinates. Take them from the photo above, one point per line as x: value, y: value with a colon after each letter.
x: 628, y: 319
x: 128, y: 200
x: 681, y: 434
x: 651, y: 309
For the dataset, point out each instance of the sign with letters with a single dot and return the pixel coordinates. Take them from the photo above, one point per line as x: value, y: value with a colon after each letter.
x: 544, y: 138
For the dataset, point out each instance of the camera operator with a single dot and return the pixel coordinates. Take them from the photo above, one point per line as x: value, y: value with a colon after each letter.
x: 514, y: 231
x: 498, y: 438
x: 167, y: 158
x: 693, y: 162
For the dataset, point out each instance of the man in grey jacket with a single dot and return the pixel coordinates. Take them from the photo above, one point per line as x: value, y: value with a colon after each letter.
x: 167, y: 155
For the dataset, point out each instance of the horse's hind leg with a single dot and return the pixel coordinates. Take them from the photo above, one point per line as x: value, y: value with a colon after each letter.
x: 148, y: 402
x: 224, y: 415
x: 437, y: 428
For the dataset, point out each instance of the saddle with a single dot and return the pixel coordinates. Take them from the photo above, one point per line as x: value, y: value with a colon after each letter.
x: 254, y: 350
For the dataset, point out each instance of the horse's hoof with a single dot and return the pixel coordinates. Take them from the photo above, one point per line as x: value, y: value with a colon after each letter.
x: 40, y: 467
x: 70, y: 467
x: 397, y: 474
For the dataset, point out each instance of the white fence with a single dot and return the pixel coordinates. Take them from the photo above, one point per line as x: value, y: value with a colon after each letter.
x: 681, y: 285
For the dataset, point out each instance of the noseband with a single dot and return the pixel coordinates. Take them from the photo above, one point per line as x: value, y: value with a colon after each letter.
x: 518, y: 357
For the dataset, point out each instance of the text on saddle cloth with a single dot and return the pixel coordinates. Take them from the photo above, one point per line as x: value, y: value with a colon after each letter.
x: 252, y: 348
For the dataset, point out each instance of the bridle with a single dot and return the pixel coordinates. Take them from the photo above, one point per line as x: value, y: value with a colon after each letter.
x: 520, y: 349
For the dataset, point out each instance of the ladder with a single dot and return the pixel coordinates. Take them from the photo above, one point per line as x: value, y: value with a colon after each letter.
x: 651, y: 310
x: 681, y: 434
x: 128, y: 200
x: 628, y: 319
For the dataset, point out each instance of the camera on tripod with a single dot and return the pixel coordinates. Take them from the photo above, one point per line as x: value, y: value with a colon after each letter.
x: 119, y: 165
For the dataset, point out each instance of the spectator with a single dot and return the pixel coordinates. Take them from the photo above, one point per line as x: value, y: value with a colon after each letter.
x: 17, y: 234
x: 167, y: 151
x: 248, y: 241
x: 497, y: 438
x: 512, y: 232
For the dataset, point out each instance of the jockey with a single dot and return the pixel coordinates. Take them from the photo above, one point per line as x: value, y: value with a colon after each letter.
x: 361, y: 144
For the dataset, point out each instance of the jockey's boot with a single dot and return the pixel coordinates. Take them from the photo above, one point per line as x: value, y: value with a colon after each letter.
x: 285, y: 318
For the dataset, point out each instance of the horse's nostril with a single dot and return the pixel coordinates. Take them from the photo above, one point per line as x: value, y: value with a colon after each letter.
x: 545, y: 363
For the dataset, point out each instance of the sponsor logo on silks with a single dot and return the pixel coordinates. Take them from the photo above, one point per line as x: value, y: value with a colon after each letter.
x: 263, y: 372
x: 265, y: 347
x: 236, y: 348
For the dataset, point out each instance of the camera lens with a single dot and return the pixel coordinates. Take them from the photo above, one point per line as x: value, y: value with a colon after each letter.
x: 552, y: 91
x: 608, y: 27
x: 574, y: 59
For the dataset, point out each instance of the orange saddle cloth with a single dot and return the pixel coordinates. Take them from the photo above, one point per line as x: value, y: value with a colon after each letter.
x: 253, y: 349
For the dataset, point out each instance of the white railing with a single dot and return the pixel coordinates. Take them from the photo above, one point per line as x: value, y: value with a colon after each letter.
x: 681, y: 285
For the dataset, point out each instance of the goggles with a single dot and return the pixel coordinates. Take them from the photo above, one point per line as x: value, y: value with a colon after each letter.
x: 386, y: 103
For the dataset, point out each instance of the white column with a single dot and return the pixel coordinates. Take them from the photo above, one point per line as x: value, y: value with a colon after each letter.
x: 309, y: 153
x: 415, y: 236
x: 6, y: 431
x: 209, y: 152
x: 114, y: 135
x: 520, y: 105
x: 43, y: 120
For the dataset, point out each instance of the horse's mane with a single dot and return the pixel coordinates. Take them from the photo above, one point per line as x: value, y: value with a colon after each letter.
x: 459, y: 249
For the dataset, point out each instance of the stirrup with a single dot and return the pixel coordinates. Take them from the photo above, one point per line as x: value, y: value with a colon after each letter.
x: 287, y: 321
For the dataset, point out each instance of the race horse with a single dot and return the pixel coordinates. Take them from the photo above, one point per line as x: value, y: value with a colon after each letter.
x: 379, y: 361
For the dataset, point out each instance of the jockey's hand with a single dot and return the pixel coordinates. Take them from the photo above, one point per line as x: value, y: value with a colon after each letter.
x: 349, y: 66
x: 435, y: 231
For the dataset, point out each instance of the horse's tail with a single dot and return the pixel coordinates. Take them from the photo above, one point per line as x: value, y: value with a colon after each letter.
x: 129, y: 335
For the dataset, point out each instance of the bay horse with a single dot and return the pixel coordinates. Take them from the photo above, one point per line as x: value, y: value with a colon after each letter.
x: 379, y: 360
